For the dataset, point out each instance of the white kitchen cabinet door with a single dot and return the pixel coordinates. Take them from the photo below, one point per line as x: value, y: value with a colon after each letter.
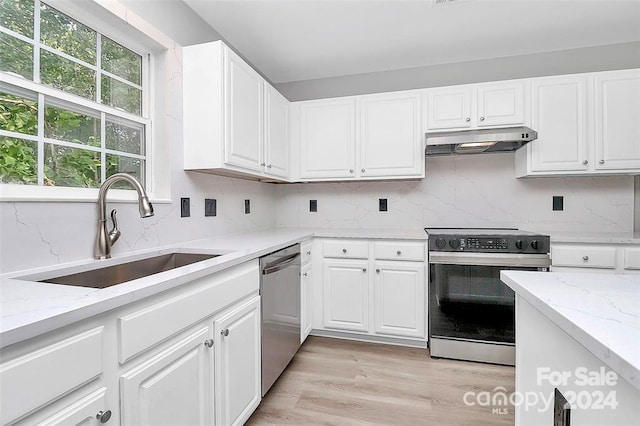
x: 449, y: 108
x: 328, y: 139
x: 346, y: 294
x: 501, y: 104
x: 174, y: 387
x: 92, y: 410
x: 559, y: 115
x: 399, y: 297
x: 306, y: 305
x: 276, y: 144
x: 238, y: 364
x: 617, y: 121
x: 244, y: 114
x: 391, y: 137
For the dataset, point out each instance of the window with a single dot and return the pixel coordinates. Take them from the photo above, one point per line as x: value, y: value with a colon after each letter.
x: 72, y: 107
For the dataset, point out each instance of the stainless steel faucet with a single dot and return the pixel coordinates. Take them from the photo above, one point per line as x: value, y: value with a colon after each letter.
x: 104, y: 239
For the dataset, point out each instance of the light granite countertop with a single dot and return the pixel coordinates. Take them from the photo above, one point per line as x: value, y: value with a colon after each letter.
x: 596, y: 237
x: 29, y: 308
x: 601, y: 312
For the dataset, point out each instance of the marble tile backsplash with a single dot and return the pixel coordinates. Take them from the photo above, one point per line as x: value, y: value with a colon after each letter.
x: 465, y: 191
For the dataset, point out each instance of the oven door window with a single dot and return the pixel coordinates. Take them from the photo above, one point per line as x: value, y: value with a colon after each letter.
x: 471, y: 303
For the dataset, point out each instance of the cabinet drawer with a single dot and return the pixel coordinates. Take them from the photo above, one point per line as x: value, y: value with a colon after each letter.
x: 144, y: 328
x: 305, y: 251
x: 346, y: 249
x: 399, y: 251
x: 584, y: 256
x: 38, y: 378
x: 632, y: 258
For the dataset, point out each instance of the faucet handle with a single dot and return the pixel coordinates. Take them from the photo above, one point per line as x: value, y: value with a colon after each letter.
x: 114, y: 234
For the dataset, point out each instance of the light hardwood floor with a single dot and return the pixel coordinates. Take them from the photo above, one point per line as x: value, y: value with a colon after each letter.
x: 342, y: 382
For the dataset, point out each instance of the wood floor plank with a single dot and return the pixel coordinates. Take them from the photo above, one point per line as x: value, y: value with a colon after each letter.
x: 342, y: 382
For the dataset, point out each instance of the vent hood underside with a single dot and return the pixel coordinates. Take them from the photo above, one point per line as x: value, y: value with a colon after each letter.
x: 478, y: 141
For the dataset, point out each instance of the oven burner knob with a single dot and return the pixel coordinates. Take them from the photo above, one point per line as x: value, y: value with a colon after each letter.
x: 440, y: 243
x: 520, y: 244
x: 454, y: 243
x: 534, y: 244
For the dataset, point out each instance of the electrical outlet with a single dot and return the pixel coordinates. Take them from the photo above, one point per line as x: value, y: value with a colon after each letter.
x: 558, y: 203
x: 382, y: 204
x: 313, y: 205
x: 247, y: 206
x: 185, y: 207
x: 210, y: 207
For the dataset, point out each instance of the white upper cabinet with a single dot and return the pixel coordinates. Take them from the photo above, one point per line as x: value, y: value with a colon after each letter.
x: 472, y: 106
x: 449, y: 108
x: 276, y: 146
x: 234, y: 121
x: 327, y: 139
x: 587, y: 124
x: 617, y: 121
x: 391, y: 136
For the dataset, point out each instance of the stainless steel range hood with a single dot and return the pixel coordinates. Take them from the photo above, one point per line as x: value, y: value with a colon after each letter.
x: 478, y: 141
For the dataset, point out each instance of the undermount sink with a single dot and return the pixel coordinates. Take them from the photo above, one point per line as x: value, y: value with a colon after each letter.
x: 128, y: 271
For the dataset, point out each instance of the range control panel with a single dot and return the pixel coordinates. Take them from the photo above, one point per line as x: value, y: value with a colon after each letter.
x: 526, y: 243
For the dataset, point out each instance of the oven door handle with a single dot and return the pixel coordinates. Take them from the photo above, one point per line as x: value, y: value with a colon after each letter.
x: 491, y: 259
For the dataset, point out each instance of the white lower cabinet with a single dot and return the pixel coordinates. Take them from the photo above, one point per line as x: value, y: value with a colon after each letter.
x: 346, y: 294
x: 88, y: 411
x: 595, y: 257
x: 174, y: 387
x: 238, y: 363
x: 399, y: 294
x: 306, y: 297
x: 382, y: 296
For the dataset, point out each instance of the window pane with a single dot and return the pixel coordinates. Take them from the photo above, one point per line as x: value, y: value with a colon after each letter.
x: 132, y: 166
x: 18, y: 114
x: 71, y: 126
x: 66, y: 75
x: 65, y: 166
x: 16, y: 56
x: 17, y: 15
x: 121, y: 61
x: 59, y: 31
x: 120, y: 95
x: 18, y: 161
x: 120, y: 137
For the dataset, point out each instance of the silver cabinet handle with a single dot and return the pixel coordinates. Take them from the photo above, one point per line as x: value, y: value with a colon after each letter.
x: 208, y: 343
x: 262, y: 164
x: 269, y: 166
x: 585, y: 162
x: 377, y: 271
x: 103, y: 416
x: 309, y: 253
x: 344, y: 250
x: 364, y: 269
x: 362, y: 170
x: 305, y: 274
x: 468, y: 119
x: 585, y: 258
x: 398, y: 252
x: 601, y: 161
x: 225, y: 332
x: 350, y: 170
x: 481, y: 118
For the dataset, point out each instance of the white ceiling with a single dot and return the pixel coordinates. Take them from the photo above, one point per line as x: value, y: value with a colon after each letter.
x: 293, y: 40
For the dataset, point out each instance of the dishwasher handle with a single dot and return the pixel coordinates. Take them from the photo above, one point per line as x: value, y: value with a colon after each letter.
x: 280, y: 265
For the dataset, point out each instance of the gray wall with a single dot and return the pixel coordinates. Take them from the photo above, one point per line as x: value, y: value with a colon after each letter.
x: 601, y: 58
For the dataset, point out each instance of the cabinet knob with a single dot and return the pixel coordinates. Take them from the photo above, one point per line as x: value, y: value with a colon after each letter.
x: 269, y: 166
x: 344, y: 250
x: 262, y: 164
x: 208, y: 343
x: 481, y: 118
x: 103, y: 416
x: 362, y: 170
x: 601, y: 161
x: 305, y: 274
x: 585, y: 258
x: 468, y: 119
x: 398, y: 252
x: 377, y: 271
x: 309, y: 253
x: 364, y: 269
x: 225, y: 332
x: 350, y: 170
x: 585, y: 162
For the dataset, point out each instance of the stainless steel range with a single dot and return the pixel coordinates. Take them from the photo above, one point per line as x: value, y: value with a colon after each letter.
x: 472, y: 312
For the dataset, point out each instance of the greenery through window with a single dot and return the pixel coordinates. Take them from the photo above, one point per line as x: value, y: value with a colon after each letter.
x: 91, y: 125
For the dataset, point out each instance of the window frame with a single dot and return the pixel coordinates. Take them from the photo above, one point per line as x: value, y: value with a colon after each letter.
x: 119, y: 24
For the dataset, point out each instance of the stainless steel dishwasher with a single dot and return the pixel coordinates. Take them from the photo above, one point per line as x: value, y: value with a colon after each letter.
x: 280, y: 298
